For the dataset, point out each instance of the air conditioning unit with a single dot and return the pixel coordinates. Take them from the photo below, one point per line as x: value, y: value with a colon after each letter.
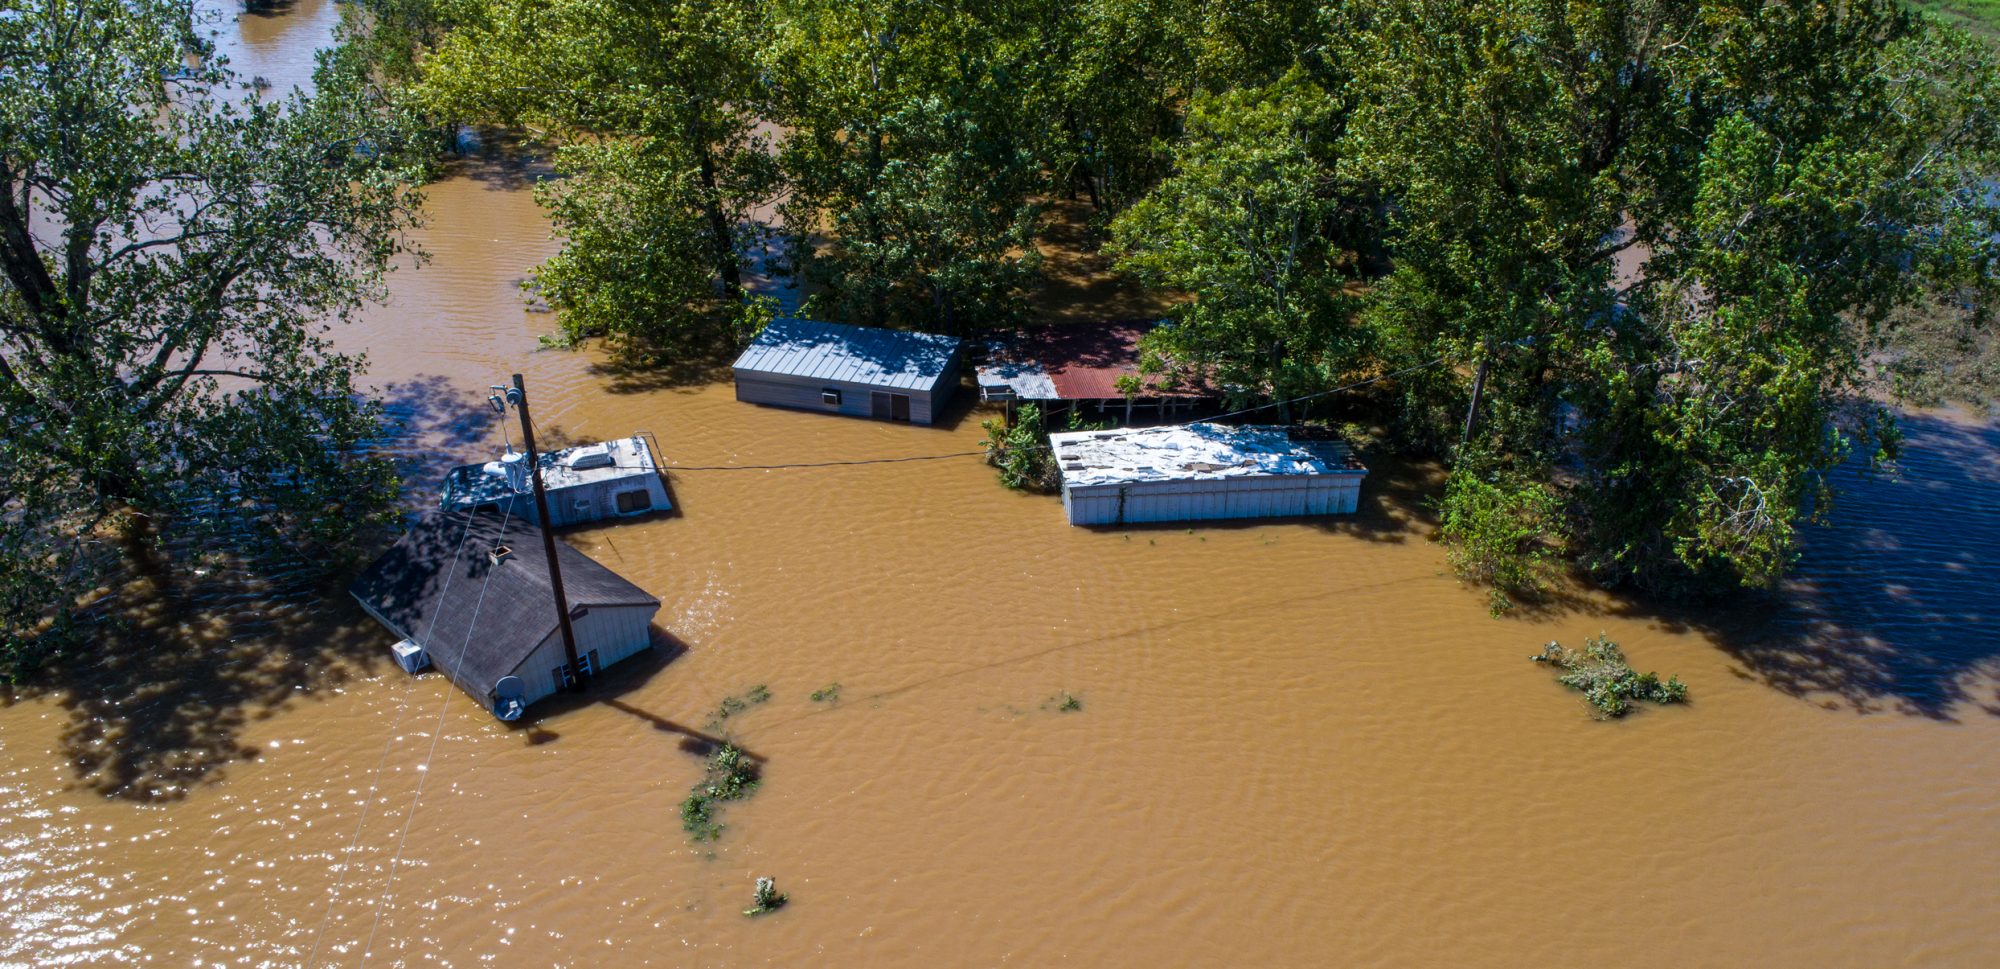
x: 411, y: 657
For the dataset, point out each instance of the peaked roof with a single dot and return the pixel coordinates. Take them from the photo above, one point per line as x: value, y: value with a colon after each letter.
x: 476, y: 619
x: 852, y: 354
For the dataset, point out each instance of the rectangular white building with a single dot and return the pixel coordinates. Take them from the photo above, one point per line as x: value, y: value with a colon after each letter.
x: 1195, y: 472
x: 585, y: 483
x: 860, y: 371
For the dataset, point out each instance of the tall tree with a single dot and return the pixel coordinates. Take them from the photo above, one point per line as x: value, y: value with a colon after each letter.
x: 653, y: 109
x: 173, y: 250
x: 1256, y: 223
x: 909, y: 160
x: 1764, y: 171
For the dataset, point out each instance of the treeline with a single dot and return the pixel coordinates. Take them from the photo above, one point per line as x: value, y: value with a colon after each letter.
x: 1671, y: 234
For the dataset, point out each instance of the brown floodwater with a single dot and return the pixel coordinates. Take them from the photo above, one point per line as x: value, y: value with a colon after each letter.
x: 1299, y: 743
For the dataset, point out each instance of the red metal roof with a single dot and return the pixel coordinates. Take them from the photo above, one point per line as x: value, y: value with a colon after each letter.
x: 1085, y: 360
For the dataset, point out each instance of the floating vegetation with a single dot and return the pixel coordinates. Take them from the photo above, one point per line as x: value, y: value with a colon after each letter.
x: 732, y: 775
x: 734, y: 705
x: 767, y: 898
x: 1064, y: 702
x: 1601, y: 674
x: 829, y: 693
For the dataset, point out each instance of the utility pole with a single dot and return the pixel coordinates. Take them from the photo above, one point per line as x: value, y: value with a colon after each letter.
x: 519, y: 398
x: 1478, y: 388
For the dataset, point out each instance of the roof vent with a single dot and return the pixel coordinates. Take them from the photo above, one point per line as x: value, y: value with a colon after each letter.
x: 585, y: 458
x: 499, y: 554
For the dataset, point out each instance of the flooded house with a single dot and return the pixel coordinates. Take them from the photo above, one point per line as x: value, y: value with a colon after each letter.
x: 469, y: 593
x: 1191, y: 472
x: 1074, y: 365
x: 585, y: 483
x: 860, y: 371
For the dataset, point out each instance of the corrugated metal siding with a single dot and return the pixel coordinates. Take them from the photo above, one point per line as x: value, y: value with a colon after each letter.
x: 616, y: 632
x: 856, y: 400
x: 867, y: 355
x: 1162, y: 501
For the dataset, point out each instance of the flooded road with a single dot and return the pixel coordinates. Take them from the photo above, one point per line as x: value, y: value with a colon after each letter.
x: 1298, y: 744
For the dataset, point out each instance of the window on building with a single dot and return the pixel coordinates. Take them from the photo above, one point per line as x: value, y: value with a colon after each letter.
x: 830, y: 397
x: 630, y: 502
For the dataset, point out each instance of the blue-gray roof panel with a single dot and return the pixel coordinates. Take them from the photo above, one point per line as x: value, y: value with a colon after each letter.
x: 836, y: 352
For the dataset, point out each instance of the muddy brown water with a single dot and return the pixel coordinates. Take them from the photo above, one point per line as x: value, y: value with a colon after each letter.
x: 1300, y: 744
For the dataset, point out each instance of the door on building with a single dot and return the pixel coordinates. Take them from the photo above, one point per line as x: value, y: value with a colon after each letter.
x: 889, y: 407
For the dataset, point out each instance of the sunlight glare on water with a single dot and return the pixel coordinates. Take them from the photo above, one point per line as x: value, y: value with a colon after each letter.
x: 1300, y: 744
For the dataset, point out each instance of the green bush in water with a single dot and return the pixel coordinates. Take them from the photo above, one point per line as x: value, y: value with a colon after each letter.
x: 1021, y: 449
x: 1601, y: 674
x: 731, y: 776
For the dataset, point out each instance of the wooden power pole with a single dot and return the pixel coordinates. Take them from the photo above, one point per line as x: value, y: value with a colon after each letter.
x: 520, y: 401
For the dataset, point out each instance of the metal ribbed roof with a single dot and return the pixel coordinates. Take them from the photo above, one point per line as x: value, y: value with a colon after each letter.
x: 850, y: 354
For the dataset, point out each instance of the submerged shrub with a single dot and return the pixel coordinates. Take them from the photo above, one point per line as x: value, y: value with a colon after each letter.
x: 731, y: 776
x: 1021, y: 449
x: 767, y: 898
x: 1496, y: 529
x: 1601, y: 674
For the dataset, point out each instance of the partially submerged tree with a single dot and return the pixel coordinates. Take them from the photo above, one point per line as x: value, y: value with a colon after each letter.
x: 173, y: 250
x: 908, y: 147
x: 652, y: 109
x: 1257, y: 225
x: 1772, y: 173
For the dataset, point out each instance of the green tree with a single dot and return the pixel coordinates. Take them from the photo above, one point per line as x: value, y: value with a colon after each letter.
x: 907, y: 151
x: 653, y: 107
x: 1776, y: 176
x: 1256, y: 223
x: 173, y: 250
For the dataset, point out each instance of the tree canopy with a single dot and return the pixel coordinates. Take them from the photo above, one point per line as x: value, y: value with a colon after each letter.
x: 174, y: 249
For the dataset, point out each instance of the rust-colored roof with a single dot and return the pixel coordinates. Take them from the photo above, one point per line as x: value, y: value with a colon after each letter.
x: 1085, y: 360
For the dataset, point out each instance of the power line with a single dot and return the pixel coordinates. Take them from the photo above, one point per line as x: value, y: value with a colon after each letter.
x: 375, y: 779
x: 437, y: 734
x: 1041, y: 447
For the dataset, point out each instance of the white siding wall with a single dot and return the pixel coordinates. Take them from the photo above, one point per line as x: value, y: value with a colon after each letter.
x: 1165, y: 501
x: 855, y: 399
x: 615, y: 632
x: 595, y: 500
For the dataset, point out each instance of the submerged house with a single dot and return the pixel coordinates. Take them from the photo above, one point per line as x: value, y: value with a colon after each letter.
x: 1192, y: 472
x: 1077, y: 364
x: 585, y: 483
x: 469, y: 593
x: 860, y: 371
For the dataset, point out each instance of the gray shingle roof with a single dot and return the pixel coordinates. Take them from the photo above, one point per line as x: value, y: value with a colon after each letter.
x: 850, y: 354
x: 475, y: 619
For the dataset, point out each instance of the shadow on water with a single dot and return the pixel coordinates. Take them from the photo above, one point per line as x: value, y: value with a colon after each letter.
x: 1893, y: 604
x: 158, y: 701
x: 1896, y: 603
x: 159, y: 696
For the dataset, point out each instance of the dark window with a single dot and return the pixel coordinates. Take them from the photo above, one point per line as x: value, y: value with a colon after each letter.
x: 634, y: 501
x: 830, y: 397
x: 889, y: 407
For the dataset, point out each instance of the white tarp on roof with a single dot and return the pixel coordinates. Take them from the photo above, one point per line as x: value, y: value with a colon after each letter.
x: 1187, y: 452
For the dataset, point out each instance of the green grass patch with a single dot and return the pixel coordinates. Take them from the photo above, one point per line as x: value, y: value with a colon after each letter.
x: 829, y: 693
x: 1600, y: 673
x: 1979, y: 17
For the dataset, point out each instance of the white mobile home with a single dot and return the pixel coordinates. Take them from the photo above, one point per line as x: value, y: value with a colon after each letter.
x: 860, y: 371
x: 1193, y: 472
x: 585, y: 483
x: 469, y: 593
